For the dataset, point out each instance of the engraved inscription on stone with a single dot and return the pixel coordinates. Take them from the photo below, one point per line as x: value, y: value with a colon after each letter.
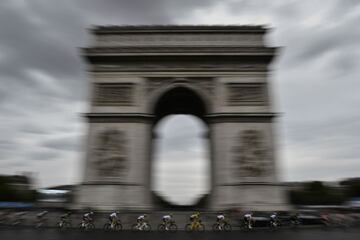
x: 250, y: 154
x: 110, y: 154
x: 179, y: 66
x: 113, y: 93
x: 179, y: 39
x: 245, y: 94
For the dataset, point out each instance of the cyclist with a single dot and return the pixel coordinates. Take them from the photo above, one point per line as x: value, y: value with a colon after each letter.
x: 274, y: 219
x: 195, y: 217
x: 142, y: 220
x: 41, y: 215
x: 195, y: 223
x: 65, y: 216
x: 65, y: 220
x: 18, y: 218
x: 40, y: 218
x: 167, y: 218
x: 195, y: 220
x: 248, y: 219
x: 88, y: 217
x: 220, y: 218
x: 113, y: 217
x: 295, y: 219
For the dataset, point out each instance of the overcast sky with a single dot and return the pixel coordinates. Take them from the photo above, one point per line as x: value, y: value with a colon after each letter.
x: 43, y: 88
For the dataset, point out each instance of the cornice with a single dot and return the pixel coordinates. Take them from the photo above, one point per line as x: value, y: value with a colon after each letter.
x: 211, y: 118
x: 119, y: 117
x: 98, y: 30
x: 168, y: 50
x: 238, y: 54
x: 240, y: 117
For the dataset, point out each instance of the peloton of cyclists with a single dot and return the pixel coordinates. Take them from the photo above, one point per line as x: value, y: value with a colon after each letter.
x: 167, y: 220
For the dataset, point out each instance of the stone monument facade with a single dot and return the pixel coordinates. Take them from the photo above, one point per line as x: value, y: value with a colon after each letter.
x: 140, y: 74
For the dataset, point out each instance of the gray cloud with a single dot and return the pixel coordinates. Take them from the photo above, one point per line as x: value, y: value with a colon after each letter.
x: 42, y: 155
x: 67, y: 143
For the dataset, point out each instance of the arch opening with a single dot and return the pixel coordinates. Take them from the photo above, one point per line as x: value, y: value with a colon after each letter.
x: 180, y: 100
x: 180, y: 173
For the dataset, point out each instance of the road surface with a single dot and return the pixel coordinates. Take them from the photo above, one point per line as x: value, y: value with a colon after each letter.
x: 14, y: 233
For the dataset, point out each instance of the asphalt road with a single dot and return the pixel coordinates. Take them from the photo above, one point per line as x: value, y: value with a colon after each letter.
x: 12, y: 233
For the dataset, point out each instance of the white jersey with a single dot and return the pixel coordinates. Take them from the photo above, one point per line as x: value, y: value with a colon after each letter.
x: 248, y: 215
x: 166, y: 217
x: 42, y: 214
x: 273, y: 216
x: 113, y: 215
x: 220, y: 217
x: 142, y: 217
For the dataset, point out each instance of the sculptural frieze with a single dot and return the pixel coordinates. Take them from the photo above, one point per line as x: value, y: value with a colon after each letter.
x: 179, y: 39
x: 113, y: 94
x: 179, y: 66
x: 250, y: 154
x: 246, y: 94
x: 110, y: 153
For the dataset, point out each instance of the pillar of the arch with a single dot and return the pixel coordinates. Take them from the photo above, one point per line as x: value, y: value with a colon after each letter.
x: 116, y: 167
x: 245, y: 182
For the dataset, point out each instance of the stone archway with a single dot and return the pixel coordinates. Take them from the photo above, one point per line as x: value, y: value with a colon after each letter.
x: 219, y: 73
x: 179, y: 98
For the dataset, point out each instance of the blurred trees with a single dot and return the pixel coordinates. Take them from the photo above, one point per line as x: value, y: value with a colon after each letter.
x: 351, y: 187
x: 16, y: 189
x: 316, y: 193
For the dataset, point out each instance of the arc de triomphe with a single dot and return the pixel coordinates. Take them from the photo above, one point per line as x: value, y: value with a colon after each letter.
x: 140, y: 74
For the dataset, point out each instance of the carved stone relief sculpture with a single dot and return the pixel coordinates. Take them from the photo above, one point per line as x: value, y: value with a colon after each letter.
x: 245, y: 94
x: 107, y: 94
x: 250, y: 155
x: 110, y: 154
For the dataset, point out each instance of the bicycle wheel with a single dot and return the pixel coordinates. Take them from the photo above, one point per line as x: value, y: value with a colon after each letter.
x: 147, y: 227
x: 188, y: 227
x: 173, y: 227
x: 60, y: 225
x: 246, y: 226
x: 134, y: 227
x: 216, y: 227
x: 118, y: 227
x: 107, y: 226
x: 161, y: 227
x: 81, y: 226
x: 90, y: 226
x: 38, y: 225
x: 227, y: 227
x: 201, y: 227
x: 68, y: 224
